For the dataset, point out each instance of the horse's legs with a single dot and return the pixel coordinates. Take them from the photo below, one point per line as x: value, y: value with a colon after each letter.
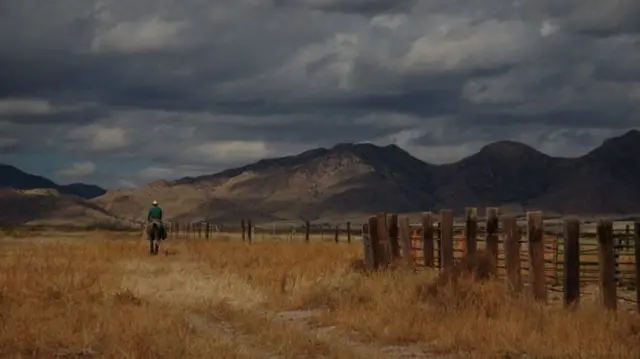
x: 151, y: 246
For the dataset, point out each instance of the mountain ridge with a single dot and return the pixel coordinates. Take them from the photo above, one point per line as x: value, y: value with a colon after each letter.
x: 353, y: 179
x: 365, y: 178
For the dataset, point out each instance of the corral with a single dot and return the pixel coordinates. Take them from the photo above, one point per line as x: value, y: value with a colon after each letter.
x: 98, y: 294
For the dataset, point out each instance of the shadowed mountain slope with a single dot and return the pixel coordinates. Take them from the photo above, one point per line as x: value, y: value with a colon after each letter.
x: 352, y: 179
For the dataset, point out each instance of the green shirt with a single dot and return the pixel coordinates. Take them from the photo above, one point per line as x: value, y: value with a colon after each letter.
x: 155, y: 212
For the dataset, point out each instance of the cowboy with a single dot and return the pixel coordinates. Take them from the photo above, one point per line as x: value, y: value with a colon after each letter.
x: 155, y: 215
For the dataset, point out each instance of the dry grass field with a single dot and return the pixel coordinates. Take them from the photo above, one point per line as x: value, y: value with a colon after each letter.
x: 100, y: 295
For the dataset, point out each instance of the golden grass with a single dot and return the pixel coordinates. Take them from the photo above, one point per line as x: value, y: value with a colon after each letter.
x: 63, y: 299
x: 104, y: 294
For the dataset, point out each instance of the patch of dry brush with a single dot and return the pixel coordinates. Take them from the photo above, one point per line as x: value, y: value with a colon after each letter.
x: 68, y: 297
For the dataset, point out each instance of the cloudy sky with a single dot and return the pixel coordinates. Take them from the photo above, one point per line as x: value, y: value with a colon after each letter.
x: 122, y: 92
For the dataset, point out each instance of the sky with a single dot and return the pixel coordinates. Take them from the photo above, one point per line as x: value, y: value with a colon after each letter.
x: 124, y: 92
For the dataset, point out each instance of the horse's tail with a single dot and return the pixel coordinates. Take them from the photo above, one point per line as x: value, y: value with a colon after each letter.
x: 152, y: 230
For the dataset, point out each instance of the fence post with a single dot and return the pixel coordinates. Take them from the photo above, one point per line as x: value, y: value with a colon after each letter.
x: 535, y: 233
x: 446, y: 239
x: 369, y: 252
x: 208, y: 229
x: 249, y: 231
x: 492, y: 235
x: 512, y: 253
x: 394, y: 245
x: 243, y: 228
x: 616, y: 261
x: 336, y: 234
x: 438, y: 251
x: 471, y: 231
x: 374, y: 238
x: 427, y: 239
x: 571, y: 262
x: 405, y: 235
x: 307, y: 231
x: 636, y: 239
x: 606, y: 259
x: 556, y: 257
x: 383, y: 240
x: 349, y: 232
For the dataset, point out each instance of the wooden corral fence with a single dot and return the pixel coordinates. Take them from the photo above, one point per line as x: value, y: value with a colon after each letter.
x: 250, y: 231
x: 527, y: 254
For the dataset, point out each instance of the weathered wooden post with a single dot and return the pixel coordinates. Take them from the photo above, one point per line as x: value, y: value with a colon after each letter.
x: 374, y: 238
x: 606, y: 259
x: 249, y: 231
x: 383, y: 238
x: 571, y: 262
x: 369, y: 250
x: 627, y: 236
x: 336, y: 234
x: 307, y: 231
x: 492, y: 234
x: 471, y: 230
x: 535, y: 234
x: 556, y: 260
x: 636, y: 239
x: 349, y: 232
x: 208, y: 230
x: 427, y: 239
x: 243, y: 228
x: 405, y: 240
x: 446, y: 239
x: 439, y: 242
x: 512, y: 253
x: 394, y: 245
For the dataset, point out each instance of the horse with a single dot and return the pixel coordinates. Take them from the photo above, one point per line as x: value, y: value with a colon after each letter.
x: 154, y: 236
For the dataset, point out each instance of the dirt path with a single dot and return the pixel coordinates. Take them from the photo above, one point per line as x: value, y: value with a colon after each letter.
x: 187, y: 286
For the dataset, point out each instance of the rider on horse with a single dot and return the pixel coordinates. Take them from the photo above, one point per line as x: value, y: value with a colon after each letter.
x: 155, y: 215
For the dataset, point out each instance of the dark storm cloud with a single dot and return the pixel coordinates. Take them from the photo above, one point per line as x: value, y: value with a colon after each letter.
x: 80, y: 116
x: 352, y: 6
x: 240, y: 80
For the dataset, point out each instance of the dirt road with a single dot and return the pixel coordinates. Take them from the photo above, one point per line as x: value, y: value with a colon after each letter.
x: 193, y: 289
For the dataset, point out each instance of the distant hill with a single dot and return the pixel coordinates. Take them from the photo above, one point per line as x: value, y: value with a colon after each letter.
x: 12, y: 177
x: 29, y: 199
x: 353, y: 179
x: 50, y: 207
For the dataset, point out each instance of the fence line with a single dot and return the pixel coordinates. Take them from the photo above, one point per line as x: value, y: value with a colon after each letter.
x: 250, y: 232
x: 567, y: 255
x: 570, y: 259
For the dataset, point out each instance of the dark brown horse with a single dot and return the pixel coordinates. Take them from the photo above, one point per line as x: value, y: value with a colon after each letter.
x: 154, y: 236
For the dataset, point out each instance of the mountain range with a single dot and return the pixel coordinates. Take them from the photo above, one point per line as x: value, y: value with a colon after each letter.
x: 12, y: 177
x: 350, y: 180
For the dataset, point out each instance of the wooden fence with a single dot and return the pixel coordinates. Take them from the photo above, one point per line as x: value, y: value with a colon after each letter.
x: 568, y: 259
x: 249, y: 231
